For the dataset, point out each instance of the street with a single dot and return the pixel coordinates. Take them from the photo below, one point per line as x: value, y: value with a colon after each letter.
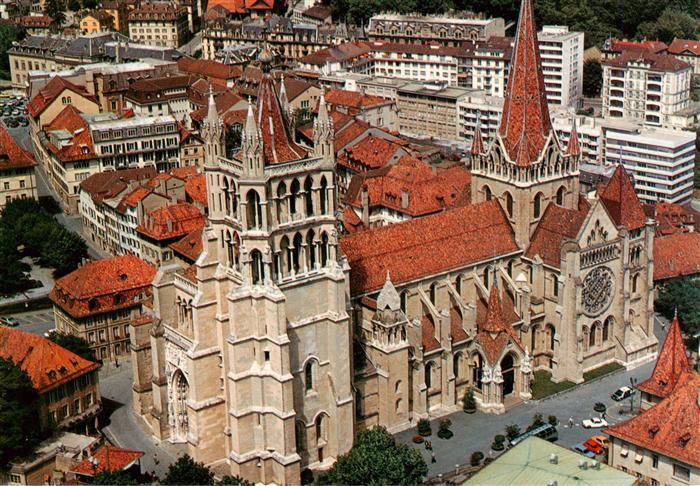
x: 37, y: 322
x: 475, y: 432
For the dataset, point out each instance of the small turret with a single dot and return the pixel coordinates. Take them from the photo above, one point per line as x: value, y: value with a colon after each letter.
x: 324, y: 134
x: 252, y: 145
x: 212, y: 133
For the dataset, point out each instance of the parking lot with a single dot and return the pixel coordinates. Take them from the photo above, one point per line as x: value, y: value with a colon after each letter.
x: 36, y: 322
x: 13, y: 110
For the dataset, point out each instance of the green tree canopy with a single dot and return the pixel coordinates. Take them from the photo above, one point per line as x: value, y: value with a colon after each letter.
x: 75, y: 344
x: 115, y: 477
x: 672, y: 23
x: 681, y: 294
x: 8, y: 34
x: 56, y: 10
x: 376, y: 459
x: 187, y: 471
x: 19, y: 413
x: 592, y: 78
x: 236, y: 480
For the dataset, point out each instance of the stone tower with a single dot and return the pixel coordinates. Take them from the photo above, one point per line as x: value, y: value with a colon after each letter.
x: 525, y: 168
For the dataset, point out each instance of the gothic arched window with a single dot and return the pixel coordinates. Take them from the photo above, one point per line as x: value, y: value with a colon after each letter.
x: 509, y: 204
x: 429, y: 375
x: 258, y: 268
x: 560, y: 196
x: 309, y: 196
x: 294, y: 193
x: 309, y: 376
x: 324, y: 195
x: 254, y: 210
x: 537, y: 205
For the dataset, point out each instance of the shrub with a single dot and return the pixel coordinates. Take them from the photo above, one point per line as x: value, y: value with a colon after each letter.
x: 537, y: 420
x: 498, y: 441
x: 469, y: 403
x: 445, y: 432
x: 512, y: 431
x: 552, y: 419
x: 418, y: 439
x: 476, y: 458
x: 599, y: 407
x: 424, y: 427
x: 488, y: 461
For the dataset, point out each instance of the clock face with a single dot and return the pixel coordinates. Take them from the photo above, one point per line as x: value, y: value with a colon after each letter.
x: 597, y: 292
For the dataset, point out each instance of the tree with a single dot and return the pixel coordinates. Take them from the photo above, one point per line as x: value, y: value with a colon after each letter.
x: 592, y: 78
x: 552, y: 420
x: 75, y: 344
x: 672, y: 23
x: 376, y: 458
x: 187, y: 471
x: 469, y: 403
x: 498, y: 442
x: 237, y: 480
x: 445, y: 432
x: 90, y: 4
x: 476, y: 458
x: 19, y: 413
x: 12, y: 278
x: 8, y: 35
x: 681, y: 295
x: 74, y: 5
x: 512, y: 431
x: 424, y: 427
x: 114, y: 477
x: 55, y: 9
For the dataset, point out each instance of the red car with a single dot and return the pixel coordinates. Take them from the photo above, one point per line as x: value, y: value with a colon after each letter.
x: 593, y: 446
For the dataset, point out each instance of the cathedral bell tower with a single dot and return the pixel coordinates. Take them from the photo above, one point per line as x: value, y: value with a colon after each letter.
x: 525, y: 167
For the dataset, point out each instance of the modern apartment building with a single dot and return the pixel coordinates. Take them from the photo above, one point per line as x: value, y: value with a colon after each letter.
x: 159, y: 24
x: 561, y: 53
x: 478, y: 108
x: 429, y: 110
x: 98, y: 301
x: 449, y: 30
x: 160, y: 96
x: 645, y: 87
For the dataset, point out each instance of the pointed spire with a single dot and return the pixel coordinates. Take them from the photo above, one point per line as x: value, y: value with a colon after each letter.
x: 477, y: 147
x: 573, y: 148
x: 670, y: 365
x: 525, y: 111
x: 494, y: 322
x: 523, y: 155
x: 388, y: 296
x: 251, y: 127
x: 322, y: 109
x: 212, y: 114
x: 621, y: 200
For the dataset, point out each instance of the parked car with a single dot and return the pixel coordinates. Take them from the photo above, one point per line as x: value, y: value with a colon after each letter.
x: 9, y: 321
x: 593, y: 446
x: 622, y: 393
x: 600, y: 439
x: 594, y: 423
x: 582, y: 450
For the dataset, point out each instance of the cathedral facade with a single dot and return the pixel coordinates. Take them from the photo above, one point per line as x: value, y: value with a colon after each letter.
x: 284, y: 338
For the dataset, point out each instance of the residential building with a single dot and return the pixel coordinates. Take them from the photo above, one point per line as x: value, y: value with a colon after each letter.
x: 17, y: 170
x: 645, y: 87
x: 485, y: 66
x: 67, y: 385
x: 51, y: 461
x: 537, y: 461
x: 435, y: 311
x: 98, y: 300
x: 245, y: 9
x: 160, y: 96
x: 165, y: 225
x: 54, y: 53
x: 108, y: 459
x: 34, y: 24
x: 119, y: 10
x: 660, y: 445
x: 561, y: 52
x: 377, y: 111
x: 215, y: 72
x: 477, y: 108
x: 406, y: 189
x: 96, y: 22
x: 449, y: 30
x: 159, y: 24
x: 686, y: 50
x: 53, y: 98
x: 299, y: 97
x: 429, y: 110
x: 614, y: 47
x: 191, y: 149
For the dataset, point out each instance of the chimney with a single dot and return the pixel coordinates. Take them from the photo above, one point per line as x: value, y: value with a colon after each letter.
x: 364, y: 196
x: 170, y: 226
x: 404, y: 199
x: 162, y: 187
x: 553, y: 459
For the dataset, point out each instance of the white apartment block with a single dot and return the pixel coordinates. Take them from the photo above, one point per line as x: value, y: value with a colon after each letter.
x: 430, y: 63
x: 136, y: 142
x: 561, y: 53
x: 479, y: 107
x: 590, y: 134
x: 646, y: 88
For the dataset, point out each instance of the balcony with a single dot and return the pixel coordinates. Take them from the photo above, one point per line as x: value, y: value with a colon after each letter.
x: 617, y: 73
x: 616, y: 93
x: 653, y: 88
x: 654, y: 98
x: 616, y: 103
x: 654, y: 108
x: 617, y: 84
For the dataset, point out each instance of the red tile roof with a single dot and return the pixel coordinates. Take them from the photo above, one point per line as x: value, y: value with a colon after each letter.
x: 621, y: 200
x: 525, y: 124
x: 495, y: 324
x: 429, y: 341
x: 173, y: 221
x: 12, y: 156
x: 106, y: 185
x: 656, y: 62
x: 340, y: 121
x: 627, y: 45
x: 349, y: 133
x: 684, y: 47
x: 108, y: 458
x: 354, y: 100
x: 196, y: 189
x: 671, y: 218
x: 184, y: 173
x: 132, y: 198
x: 190, y: 246
x: 80, y: 147
x: 224, y: 102
x: 557, y: 224
x: 425, y: 246
x: 477, y: 142
x: 370, y: 153
x: 47, y: 364
x: 339, y: 53
x: 676, y: 255
x: 209, y: 69
x: 456, y: 330
x: 573, y: 148
x: 670, y: 365
x: 412, y: 187
x: 51, y: 91
x: 671, y: 427
x: 278, y: 145
x: 351, y: 221
x: 92, y: 288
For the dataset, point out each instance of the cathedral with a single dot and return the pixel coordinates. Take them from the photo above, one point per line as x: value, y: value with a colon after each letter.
x: 286, y: 336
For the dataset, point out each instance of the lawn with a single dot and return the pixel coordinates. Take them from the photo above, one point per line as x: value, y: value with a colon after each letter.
x: 543, y: 386
x: 602, y: 371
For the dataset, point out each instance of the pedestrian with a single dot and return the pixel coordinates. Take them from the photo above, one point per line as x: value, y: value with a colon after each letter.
x: 571, y: 422
x: 603, y: 416
x: 432, y: 458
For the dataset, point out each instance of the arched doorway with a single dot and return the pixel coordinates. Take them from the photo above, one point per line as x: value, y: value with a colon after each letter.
x: 180, y: 391
x: 508, y: 373
x: 477, y: 365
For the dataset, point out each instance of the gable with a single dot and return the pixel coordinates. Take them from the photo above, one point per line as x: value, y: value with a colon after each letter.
x: 597, y: 227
